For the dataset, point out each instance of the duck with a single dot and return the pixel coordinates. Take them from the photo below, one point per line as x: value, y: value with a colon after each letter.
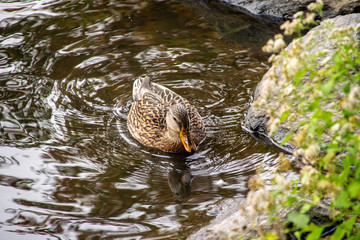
x: 162, y: 119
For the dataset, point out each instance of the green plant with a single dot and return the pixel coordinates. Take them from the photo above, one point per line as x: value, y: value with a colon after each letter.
x: 322, y: 89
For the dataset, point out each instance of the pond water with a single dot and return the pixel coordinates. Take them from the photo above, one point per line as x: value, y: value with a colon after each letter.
x: 69, y: 169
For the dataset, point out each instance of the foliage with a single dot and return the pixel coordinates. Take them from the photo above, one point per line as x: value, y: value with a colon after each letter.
x: 322, y: 89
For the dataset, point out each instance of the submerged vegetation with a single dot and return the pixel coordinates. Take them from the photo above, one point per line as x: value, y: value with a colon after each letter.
x: 321, y: 96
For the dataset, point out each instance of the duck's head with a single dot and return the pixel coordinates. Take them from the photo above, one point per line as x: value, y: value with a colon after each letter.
x: 178, y: 122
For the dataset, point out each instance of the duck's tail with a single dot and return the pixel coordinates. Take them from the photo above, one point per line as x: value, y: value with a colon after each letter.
x: 141, y: 85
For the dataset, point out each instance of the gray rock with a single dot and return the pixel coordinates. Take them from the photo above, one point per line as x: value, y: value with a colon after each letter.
x: 287, y: 8
x: 256, y: 118
x: 229, y: 224
x: 233, y: 221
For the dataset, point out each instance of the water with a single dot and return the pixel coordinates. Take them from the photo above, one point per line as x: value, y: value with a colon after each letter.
x: 69, y: 168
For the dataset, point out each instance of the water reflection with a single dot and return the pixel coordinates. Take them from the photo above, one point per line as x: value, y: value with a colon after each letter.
x: 69, y: 168
x: 237, y: 24
x: 180, y: 179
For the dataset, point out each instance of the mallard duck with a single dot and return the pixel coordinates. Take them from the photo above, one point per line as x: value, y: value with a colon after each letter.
x: 162, y: 119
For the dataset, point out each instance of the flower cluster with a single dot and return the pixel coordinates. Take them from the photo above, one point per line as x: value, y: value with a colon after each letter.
x: 316, y: 6
x: 291, y: 27
x: 275, y: 46
x: 352, y: 102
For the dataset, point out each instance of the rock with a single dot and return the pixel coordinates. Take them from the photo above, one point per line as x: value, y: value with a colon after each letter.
x: 287, y: 8
x: 239, y: 220
x: 230, y: 228
x: 229, y: 224
x: 256, y: 118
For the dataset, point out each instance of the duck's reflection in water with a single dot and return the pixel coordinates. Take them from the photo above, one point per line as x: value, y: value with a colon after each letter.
x: 180, y: 179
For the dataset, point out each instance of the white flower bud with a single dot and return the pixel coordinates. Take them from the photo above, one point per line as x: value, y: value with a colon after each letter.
x: 310, y: 18
x: 312, y: 151
x: 292, y: 66
x: 334, y: 128
x: 279, y: 44
x: 273, y: 125
x: 298, y: 14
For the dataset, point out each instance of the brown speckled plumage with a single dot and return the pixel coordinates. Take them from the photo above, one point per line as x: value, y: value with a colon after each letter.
x: 147, y: 119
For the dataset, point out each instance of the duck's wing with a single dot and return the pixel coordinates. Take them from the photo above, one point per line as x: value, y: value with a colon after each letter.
x: 147, y: 119
x: 166, y: 95
x: 197, y: 127
x: 143, y: 85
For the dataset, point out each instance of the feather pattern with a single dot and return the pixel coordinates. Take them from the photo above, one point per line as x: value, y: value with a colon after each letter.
x: 147, y: 117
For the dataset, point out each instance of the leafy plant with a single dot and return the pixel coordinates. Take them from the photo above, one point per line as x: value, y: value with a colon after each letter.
x: 322, y: 89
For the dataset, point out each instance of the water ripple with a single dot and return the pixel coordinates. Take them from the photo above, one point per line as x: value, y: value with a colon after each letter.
x: 69, y: 167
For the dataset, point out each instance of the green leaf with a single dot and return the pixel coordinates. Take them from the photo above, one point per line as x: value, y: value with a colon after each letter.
x: 347, y: 162
x: 326, y: 88
x: 305, y: 208
x: 289, y: 201
x: 348, y: 224
x: 353, y: 238
x: 357, y: 75
x: 315, y: 233
x: 312, y: 74
x: 315, y: 199
x: 300, y: 220
x: 338, y: 234
x: 344, y: 228
x: 313, y: 105
x: 287, y: 138
x: 342, y: 200
x: 347, y: 87
x: 354, y: 189
x: 347, y: 114
x: 271, y: 236
x: 326, y: 116
x: 299, y: 76
x: 284, y: 116
x: 357, y: 233
x: 357, y: 170
x: 337, y: 58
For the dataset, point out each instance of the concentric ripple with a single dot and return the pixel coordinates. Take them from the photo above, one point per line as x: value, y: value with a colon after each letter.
x: 69, y: 168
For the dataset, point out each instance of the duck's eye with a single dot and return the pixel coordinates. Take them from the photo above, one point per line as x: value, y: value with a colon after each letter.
x: 174, y: 119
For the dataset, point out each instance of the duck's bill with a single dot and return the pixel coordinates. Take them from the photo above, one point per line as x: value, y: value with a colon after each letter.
x: 186, y: 140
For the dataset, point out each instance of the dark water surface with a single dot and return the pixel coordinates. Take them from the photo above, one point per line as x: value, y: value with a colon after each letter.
x: 69, y: 168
